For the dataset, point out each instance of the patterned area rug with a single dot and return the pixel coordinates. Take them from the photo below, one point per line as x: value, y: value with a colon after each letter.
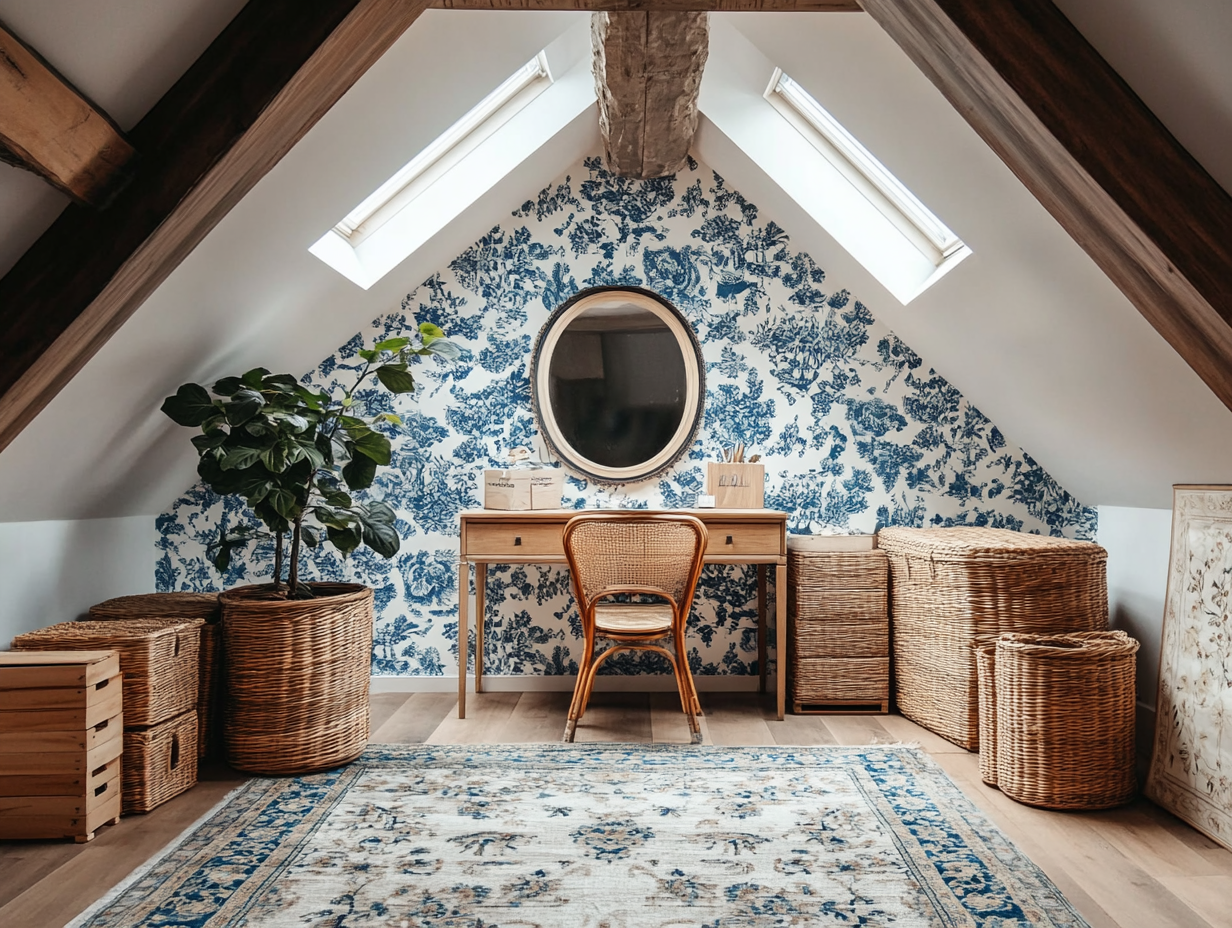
x: 596, y: 836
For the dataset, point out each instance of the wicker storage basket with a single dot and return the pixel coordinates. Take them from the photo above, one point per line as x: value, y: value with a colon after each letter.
x: 204, y: 606
x: 985, y: 648
x: 951, y: 585
x: 160, y: 762
x: 158, y: 658
x: 298, y: 673
x: 1065, y: 719
x: 839, y: 631
x: 183, y: 606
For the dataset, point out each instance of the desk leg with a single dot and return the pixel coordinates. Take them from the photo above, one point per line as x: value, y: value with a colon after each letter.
x: 762, y: 630
x: 481, y: 615
x: 780, y: 625
x: 464, y: 576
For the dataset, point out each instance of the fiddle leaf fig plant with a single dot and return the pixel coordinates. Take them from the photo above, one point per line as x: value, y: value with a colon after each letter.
x: 296, y: 454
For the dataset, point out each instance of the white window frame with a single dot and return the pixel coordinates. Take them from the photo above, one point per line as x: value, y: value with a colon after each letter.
x: 482, y: 121
x: 882, y: 189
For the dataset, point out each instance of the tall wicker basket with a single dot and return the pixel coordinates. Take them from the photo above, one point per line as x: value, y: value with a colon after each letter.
x: 298, y: 675
x: 183, y: 605
x: 1065, y: 719
x: 950, y: 585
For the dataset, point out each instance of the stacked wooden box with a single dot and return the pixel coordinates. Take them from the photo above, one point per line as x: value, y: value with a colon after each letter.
x: 61, y: 736
x: 840, y: 631
x: 161, y: 678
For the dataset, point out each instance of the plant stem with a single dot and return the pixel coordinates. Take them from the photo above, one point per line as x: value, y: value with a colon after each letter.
x: 293, y: 574
x: 278, y: 561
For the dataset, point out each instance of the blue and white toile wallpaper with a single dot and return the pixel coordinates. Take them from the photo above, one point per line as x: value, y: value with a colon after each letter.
x: 856, y: 431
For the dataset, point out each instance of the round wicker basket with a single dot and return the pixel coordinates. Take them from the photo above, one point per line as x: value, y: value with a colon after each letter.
x: 297, y: 678
x: 1065, y: 719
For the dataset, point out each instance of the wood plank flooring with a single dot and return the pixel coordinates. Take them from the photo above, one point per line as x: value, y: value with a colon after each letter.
x: 1135, y: 867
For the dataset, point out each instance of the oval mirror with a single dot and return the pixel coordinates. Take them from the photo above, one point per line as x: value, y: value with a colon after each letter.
x: 617, y: 382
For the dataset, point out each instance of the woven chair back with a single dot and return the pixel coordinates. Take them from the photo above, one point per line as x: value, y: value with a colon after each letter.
x: 609, y: 551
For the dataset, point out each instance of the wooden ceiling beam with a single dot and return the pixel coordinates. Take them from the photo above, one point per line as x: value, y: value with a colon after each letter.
x: 1093, y: 154
x: 263, y: 83
x: 698, y: 6
x: 648, y: 73
x: 50, y: 128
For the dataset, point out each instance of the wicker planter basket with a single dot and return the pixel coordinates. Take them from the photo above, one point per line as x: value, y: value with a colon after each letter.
x: 985, y: 648
x: 1065, y: 719
x: 949, y: 586
x: 159, y: 762
x: 298, y: 674
x: 158, y: 657
x: 183, y: 606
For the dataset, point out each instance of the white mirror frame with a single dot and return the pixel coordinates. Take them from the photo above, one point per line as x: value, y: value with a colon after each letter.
x: 694, y: 367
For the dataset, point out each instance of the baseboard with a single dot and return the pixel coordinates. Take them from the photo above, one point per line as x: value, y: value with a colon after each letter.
x: 519, y: 683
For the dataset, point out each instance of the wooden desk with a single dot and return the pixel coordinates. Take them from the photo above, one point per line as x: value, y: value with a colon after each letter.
x: 737, y: 536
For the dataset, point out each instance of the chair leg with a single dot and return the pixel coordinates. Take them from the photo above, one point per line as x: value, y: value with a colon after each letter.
x: 580, y: 690
x: 688, y: 692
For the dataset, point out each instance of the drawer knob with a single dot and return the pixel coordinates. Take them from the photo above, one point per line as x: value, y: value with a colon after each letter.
x: 517, y: 540
x: 729, y: 539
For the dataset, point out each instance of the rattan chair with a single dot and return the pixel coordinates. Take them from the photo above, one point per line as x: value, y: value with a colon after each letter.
x: 638, y: 554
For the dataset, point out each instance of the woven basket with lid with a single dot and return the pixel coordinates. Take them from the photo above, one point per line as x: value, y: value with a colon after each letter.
x: 183, y: 605
x: 950, y: 585
x: 158, y: 658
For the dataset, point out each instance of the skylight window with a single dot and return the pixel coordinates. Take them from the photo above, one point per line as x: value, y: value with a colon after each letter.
x: 492, y: 112
x: 885, y: 191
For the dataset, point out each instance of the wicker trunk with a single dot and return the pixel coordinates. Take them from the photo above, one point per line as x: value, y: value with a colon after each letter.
x: 298, y: 674
x: 840, y: 634
x: 949, y: 586
x: 183, y: 605
x: 160, y: 762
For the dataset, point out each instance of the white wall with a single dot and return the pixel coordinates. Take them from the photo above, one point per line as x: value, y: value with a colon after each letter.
x: 1137, y: 541
x: 54, y: 571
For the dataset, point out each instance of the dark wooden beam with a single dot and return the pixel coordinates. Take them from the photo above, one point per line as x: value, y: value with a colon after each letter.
x: 51, y: 129
x: 271, y: 74
x: 648, y: 72
x: 1093, y: 154
x: 713, y: 6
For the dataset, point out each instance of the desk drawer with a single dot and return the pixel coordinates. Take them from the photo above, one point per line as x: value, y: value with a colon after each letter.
x: 737, y: 538
x: 519, y: 540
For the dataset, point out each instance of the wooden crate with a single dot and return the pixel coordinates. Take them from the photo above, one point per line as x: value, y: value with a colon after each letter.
x: 839, y: 640
x: 61, y: 737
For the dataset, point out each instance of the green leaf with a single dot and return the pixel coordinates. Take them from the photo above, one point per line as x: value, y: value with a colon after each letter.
x: 310, y: 451
x: 338, y: 498
x: 445, y: 349
x: 345, y: 540
x: 310, y: 536
x: 240, y: 458
x: 381, y: 538
x: 395, y: 379
x: 313, y: 401
x: 296, y: 423
x: 228, y: 386
x: 350, y: 423
x: 324, y: 448
x: 392, y: 344
x: 222, y: 560
x: 359, y: 472
x: 190, y: 406
x: 214, y: 438
x: 387, y: 417
x: 429, y: 332
x: 282, y: 383
x: 368, y: 354
x: 283, y: 502
x: 243, y: 406
x: 258, y: 428
x: 380, y: 511
x: 374, y: 445
x: 331, y: 518
x: 255, y: 377
x: 275, y: 457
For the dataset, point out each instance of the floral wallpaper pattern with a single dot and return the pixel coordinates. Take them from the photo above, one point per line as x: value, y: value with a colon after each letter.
x: 855, y: 430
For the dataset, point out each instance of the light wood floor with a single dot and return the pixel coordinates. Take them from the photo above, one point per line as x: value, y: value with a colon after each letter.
x: 1136, y: 867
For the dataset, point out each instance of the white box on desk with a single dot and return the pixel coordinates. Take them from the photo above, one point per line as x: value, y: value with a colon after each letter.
x: 506, y: 489
x: 523, y: 488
